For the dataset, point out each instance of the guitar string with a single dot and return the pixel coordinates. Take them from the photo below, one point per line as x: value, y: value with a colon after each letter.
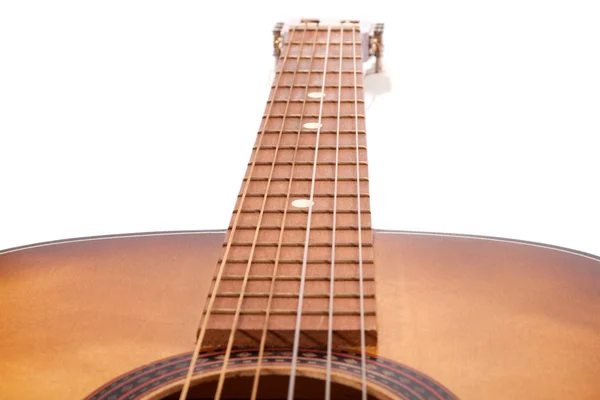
x: 200, y: 337
x: 334, y: 223
x: 284, y: 217
x: 292, y: 382
x: 253, y: 247
x: 363, y: 351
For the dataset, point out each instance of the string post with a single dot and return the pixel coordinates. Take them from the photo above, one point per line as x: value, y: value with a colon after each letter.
x: 376, y: 45
x: 277, y: 41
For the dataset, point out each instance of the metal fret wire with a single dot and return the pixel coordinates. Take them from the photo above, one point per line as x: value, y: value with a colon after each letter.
x: 263, y: 338
x: 200, y: 339
x: 333, y: 237
x: 363, y: 349
x: 303, y: 275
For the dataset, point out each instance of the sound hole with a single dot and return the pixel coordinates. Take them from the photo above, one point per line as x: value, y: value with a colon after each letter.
x: 271, y: 387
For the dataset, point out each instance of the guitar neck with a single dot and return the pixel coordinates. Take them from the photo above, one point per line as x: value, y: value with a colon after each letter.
x: 302, y: 215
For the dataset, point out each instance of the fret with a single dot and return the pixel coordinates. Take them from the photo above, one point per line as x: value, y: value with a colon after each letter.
x: 291, y: 286
x: 321, y: 163
x: 309, y: 101
x: 325, y: 173
x: 276, y: 244
x: 286, y: 281
x: 304, y: 179
x: 346, y: 72
x: 318, y: 196
x: 309, y: 154
x: 317, y: 66
x: 318, y: 252
x: 315, y: 86
x: 320, y: 271
x: 259, y: 183
x: 317, y: 73
x: 301, y: 195
x: 318, y: 285
x: 315, y: 81
x: 332, y: 80
x: 314, y: 108
x: 299, y: 219
x: 317, y: 275
x: 322, y: 234
x: 308, y: 147
x: 300, y: 94
x: 322, y: 57
x: 351, y: 29
x: 321, y: 202
x: 333, y: 55
x: 267, y: 152
x: 295, y: 295
x: 341, y: 131
x: 317, y: 236
x: 300, y: 28
x: 322, y: 43
x: 256, y: 277
x: 303, y: 228
x: 329, y: 125
x: 299, y: 211
x: 292, y: 261
x: 231, y: 311
x: 309, y: 138
x: 312, y: 115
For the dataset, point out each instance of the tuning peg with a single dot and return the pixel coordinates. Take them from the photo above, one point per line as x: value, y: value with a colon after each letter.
x: 277, y: 40
x: 376, y: 45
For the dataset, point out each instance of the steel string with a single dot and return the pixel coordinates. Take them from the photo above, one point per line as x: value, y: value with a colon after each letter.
x: 360, y: 253
x: 292, y: 383
x: 281, y: 231
x: 333, y: 238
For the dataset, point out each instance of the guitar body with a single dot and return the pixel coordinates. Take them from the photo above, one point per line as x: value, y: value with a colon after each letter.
x: 485, y: 318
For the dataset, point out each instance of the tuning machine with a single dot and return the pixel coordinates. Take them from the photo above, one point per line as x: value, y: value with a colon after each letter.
x: 376, y: 45
x: 277, y: 40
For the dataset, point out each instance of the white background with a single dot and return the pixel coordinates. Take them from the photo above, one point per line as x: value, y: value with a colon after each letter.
x: 129, y: 116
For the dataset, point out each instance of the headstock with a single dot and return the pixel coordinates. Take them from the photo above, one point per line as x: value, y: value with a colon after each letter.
x: 371, y: 36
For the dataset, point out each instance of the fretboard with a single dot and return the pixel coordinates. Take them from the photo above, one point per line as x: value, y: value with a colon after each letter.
x: 302, y: 217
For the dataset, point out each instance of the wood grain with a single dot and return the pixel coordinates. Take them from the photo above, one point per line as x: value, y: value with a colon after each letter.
x: 488, y: 319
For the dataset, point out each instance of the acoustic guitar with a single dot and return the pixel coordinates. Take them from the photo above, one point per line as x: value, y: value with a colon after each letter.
x: 300, y: 298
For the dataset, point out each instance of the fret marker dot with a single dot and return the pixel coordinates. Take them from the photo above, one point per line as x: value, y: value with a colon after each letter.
x: 312, y: 125
x: 316, y: 95
x: 302, y: 203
